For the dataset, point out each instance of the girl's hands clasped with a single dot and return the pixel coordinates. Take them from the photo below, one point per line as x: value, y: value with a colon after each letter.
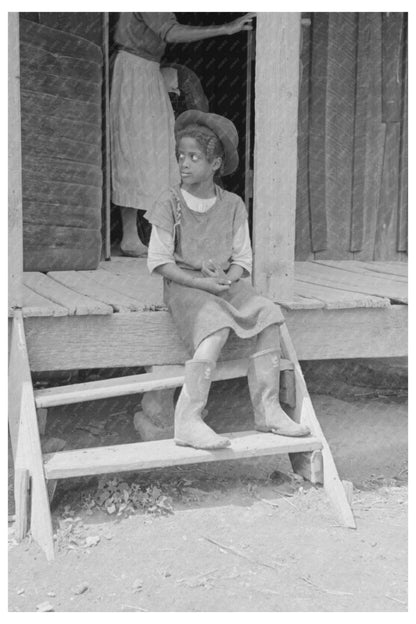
x: 214, y: 285
x: 215, y: 280
x: 210, y: 268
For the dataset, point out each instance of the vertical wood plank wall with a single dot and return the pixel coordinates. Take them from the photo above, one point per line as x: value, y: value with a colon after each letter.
x: 15, y: 242
x: 275, y: 152
x: 352, y: 138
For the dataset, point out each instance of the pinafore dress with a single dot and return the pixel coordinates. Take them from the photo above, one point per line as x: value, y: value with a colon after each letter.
x: 199, y: 237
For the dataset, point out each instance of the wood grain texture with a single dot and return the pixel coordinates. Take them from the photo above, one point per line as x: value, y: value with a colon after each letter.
x: 303, y: 243
x: 365, y: 269
x: 389, y: 268
x: 19, y: 372
x: 62, y: 170
x: 65, y: 297
x: 339, y: 132
x: 159, y: 378
x: 305, y: 413
x: 62, y: 148
x: 275, y: 152
x: 56, y: 247
x: 64, y: 86
x: 162, y: 453
x: 83, y: 283
x: 392, y: 33
x: 299, y: 302
x: 45, y: 125
x: 332, y: 298
x: 29, y: 457
x: 43, y: 60
x: 146, y: 290
x: 61, y: 214
x: 360, y: 132
x: 317, y: 131
x: 375, y: 138
x: 21, y: 498
x: 385, y: 247
x: 149, y: 338
x: 341, y: 279
x: 106, y: 210
x: 86, y: 25
x: 59, y: 42
x: 15, y: 240
x: 46, y: 104
x: 36, y: 305
x: 68, y: 193
x: 402, y: 244
x: 61, y: 121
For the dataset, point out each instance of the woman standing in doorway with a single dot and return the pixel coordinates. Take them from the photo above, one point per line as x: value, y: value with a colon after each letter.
x: 143, y: 158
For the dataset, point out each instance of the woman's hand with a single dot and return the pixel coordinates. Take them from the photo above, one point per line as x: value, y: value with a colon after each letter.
x: 241, y: 23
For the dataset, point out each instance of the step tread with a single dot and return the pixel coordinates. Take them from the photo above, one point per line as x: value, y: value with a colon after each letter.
x: 164, y: 453
x: 171, y: 377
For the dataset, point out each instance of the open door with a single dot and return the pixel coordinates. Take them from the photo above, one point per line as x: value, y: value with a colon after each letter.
x: 225, y: 67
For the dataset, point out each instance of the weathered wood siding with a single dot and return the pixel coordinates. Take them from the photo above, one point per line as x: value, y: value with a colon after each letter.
x: 61, y: 105
x: 352, y: 138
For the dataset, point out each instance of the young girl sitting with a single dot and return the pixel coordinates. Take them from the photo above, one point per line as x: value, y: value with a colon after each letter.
x: 200, y: 245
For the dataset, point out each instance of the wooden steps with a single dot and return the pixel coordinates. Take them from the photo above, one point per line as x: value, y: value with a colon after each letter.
x: 310, y: 456
x: 132, y: 384
x: 164, y: 453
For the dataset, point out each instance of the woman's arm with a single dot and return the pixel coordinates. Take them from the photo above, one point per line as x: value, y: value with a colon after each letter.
x: 179, y: 33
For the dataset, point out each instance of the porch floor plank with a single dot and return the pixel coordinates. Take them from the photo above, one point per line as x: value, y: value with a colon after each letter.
x: 145, y: 289
x: 82, y: 283
x: 342, y: 279
x: 333, y: 298
x: 387, y: 268
x: 357, y: 267
x: 36, y: 305
x: 75, y: 303
x: 124, y: 285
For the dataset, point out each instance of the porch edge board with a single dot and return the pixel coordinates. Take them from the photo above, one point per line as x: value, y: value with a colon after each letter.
x: 150, y: 338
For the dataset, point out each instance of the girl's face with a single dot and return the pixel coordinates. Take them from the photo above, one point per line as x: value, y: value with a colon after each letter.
x: 194, y: 167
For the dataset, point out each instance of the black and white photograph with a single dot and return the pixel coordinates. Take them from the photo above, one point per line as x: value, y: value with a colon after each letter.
x: 208, y: 310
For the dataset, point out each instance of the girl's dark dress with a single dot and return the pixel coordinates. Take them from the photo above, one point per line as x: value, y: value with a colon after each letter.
x: 199, y: 237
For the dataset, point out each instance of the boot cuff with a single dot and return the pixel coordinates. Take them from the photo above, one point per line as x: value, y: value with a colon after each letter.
x: 266, y: 351
x: 210, y: 362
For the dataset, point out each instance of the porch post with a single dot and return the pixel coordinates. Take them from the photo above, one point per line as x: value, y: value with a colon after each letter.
x: 275, y: 153
x: 15, y: 169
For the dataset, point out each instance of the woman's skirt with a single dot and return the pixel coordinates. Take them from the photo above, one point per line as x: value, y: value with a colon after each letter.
x: 143, y: 160
x: 198, y: 314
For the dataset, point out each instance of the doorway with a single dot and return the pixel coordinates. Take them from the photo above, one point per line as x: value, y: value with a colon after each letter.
x: 225, y: 67
x: 221, y: 66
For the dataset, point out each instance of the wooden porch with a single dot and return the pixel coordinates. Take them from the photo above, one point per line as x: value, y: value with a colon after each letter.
x: 115, y: 316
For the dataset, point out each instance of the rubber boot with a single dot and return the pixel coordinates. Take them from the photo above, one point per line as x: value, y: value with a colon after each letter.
x: 263, y: 382
x: 190, y: 429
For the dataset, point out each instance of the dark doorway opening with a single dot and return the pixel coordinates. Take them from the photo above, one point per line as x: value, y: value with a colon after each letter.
x: 222, y: 66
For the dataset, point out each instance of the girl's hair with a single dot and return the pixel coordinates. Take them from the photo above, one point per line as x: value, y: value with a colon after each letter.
x: 208, y: 141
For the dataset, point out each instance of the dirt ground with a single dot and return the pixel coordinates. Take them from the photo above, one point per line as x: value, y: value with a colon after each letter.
x: 240, y: 536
